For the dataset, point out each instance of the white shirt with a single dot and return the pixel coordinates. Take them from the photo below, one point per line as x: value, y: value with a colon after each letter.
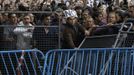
x: 23, y: 36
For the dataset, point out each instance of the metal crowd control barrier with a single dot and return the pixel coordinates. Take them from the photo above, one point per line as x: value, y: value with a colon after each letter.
x: 101, y: 61
x: 21, y: 62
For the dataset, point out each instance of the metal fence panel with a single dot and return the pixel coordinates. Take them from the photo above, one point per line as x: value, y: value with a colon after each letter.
x: 10, y: 37
x: 18, y: 37
x: 21, y: 62
x: 101, y: 61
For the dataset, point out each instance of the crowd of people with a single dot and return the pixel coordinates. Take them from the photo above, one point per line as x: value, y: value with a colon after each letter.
x: 41, y: 5
x: 75, y: 21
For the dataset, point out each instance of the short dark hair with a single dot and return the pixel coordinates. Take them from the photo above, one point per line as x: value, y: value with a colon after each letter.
x: 12, y: 14
x: 46, y: 15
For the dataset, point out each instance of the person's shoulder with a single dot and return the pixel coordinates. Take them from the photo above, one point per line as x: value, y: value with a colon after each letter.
x: 20, y: 24
x: 6, y: 23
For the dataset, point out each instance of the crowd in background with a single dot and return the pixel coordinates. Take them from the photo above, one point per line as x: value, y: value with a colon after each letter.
x: 76, y: 20
x: 41, y: 5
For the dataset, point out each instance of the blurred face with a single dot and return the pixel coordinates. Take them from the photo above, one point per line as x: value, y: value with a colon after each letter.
x: 47, y: 20
x: 14, y: 19
x: 85, y: 14
x: 27, y: 19
x: 5, y: 17
x: 100, y: 17
x: 112, y: 18
x: 58, y: 15
x: 89, y: 22
x: 101, y: 9
x: 71, y: 20
x: 32, y: 18
x: 1, y: 17
x: 131, y: 11
x: 79, y: 11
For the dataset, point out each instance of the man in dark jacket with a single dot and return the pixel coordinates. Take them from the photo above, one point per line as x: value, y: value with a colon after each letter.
x: 72, y: 34
x: 45, y: 37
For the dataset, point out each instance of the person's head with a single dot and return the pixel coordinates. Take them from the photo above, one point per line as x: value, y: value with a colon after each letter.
x: 71, y: 20
x: 13, y: 18
x: 99, y: 17
x: 102, y: 9
x: 26, y: 19
x: 47, y: 20
x: 31, y: 17
x: 58, y: 15
x: 5, y: 16
x: 112, y: 17
x: 85, y: 14
x: 131, y: 8
x: 78, y: 9
x: 88, y: 22
x: 71, y: 16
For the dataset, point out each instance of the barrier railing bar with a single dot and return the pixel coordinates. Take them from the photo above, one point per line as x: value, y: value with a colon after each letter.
x: 28, y: 72
x: 133, y: 63
x: 18, y: 68
x: 75, y: 62
x: 39, y: 66
x: 125, y: 63
x: 17, y: 51
x: 72, y: 70
x: 82, y: 62
x: 65, y: 59
x: 103, y: 60
x: 67, y: 63
x: 11, y: 63
x: 53, y: 59
x: 89, y: 62
x: 78, y: 66
x: 49, y: 68
x: 129, y: 65
x: 111, y: 61
x: 94, y: 60
x: 5, y: 64
x: 118, y: 60
x: 96, y: 64
x: 33, y: 67
x: 60, y: 63
x: 123, y: 59
x: 103, y: 71
x: 68, y: 55
x: 71, y: 66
